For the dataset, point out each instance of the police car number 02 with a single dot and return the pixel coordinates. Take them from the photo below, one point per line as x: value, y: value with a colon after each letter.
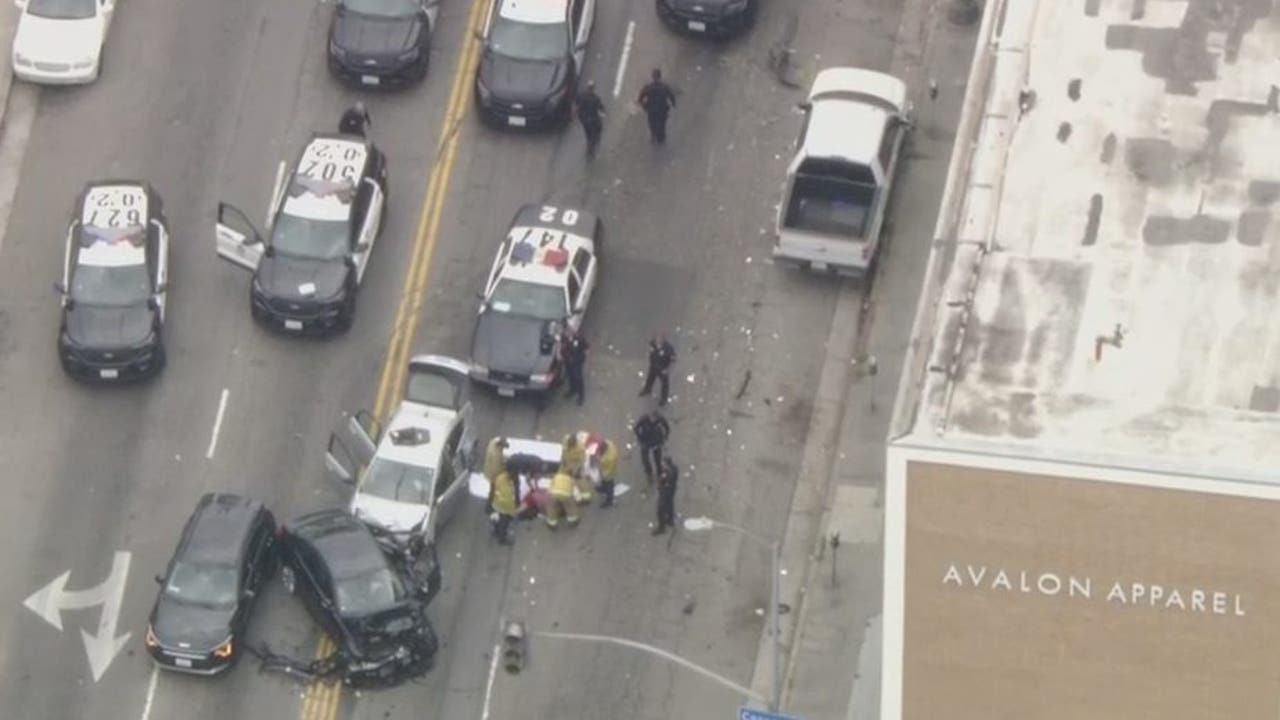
x: 114, y: 207
x: 549, y: 213
x: 332, y: 160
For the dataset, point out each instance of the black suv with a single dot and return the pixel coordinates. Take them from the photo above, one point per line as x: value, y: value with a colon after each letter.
x: 114, y: 281
x: 381, y: 43
x: 365, y: 590
x: 225, y: 554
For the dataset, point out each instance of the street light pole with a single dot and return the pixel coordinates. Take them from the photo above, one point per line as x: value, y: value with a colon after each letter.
x: 775, y: 615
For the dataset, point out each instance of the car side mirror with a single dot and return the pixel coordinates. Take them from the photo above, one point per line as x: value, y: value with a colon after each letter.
x: 805, y: 106
x: 162, y: 287
x: 581, y: 46
x: 159, y: 579
x: 477, y: 35
x: 480, y: 294
x: 59, y: 288
x: 153, y: 304
x: 363, y: 247
x: 351, y: 261
x: 248, y: 593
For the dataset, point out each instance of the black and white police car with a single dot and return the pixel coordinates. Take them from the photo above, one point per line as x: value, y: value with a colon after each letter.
x: 381, y: 43
x: 113, y: 283
x: 325, y: 216
x: 540, y: 285
x: 532, y: 58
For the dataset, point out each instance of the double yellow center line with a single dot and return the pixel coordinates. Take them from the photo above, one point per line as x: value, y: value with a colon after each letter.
x: 323, y: 700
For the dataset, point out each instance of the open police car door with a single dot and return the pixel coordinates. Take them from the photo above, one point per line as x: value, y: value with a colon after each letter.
x: 351, y: 447
x: 236, y: 239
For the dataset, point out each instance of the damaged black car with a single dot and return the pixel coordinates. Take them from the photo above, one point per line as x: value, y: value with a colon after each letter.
x: 368, y: 591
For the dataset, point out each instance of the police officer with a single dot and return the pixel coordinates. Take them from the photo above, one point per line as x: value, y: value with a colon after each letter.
x: 668, y: 476
x: 657, y: 99
x: 591, y: 115
x: 575, y: 360
x: 651, y: 432
x: 355, y: 121
x: 661, y: 355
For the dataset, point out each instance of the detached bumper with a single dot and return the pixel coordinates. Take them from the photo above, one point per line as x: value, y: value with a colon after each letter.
x: 706, y: 24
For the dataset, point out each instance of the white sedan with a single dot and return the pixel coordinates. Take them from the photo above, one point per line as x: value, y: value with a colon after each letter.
x: 59, y: 42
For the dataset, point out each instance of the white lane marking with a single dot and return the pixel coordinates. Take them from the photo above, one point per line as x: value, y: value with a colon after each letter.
x: 626, y: 55
x: 151, y: 692
x: 102, y: 646
x: 488, y: 688
x: 275, y: 196
x: 217, y: 423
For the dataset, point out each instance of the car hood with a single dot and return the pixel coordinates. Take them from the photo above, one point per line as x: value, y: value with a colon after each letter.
x: 190, y: 628
x: 368, y: 35
x: 522, y: 80
x: 291, y: 278
x: 50, y: 40
x: 97, y: 326
x: 379, y: 634
x: 510, y: 343
x: 393, y: 515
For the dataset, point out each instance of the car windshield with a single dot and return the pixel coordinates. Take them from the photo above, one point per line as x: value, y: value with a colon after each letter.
x: 62, y: 9
x: 116, y: 286
x: 384, y: 8
x: 212, y: 585
x: 529, y: 41
x: 544, y: 302
x: 398, y: 481
x: 310, y: 239
x: 369, y: 592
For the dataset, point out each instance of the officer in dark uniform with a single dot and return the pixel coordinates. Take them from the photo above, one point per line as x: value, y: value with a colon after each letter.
x: 651, y: 432
x: 355, y: 121
x: 591, y: 115
x: 657, y: 99
x: 661, y: 355
x: 575, y: 361
x: 668, y: 476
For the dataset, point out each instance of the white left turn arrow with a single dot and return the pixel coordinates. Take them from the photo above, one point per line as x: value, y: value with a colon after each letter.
x: 102, y: 646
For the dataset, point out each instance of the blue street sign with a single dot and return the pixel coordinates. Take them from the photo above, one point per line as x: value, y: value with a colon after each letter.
x: 753, y: 714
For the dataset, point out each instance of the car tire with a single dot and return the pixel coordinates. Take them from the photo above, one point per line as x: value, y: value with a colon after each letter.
x: 289, y: 580
x: 348, y: 316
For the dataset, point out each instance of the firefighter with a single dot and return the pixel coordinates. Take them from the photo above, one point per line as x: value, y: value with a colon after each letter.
x: 562, y: 503
x: 494, y: 463
x: 572, y: 455
x: 503, y: 498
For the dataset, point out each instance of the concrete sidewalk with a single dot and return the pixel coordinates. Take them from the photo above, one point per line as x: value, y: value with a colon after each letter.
x: 831, y: 634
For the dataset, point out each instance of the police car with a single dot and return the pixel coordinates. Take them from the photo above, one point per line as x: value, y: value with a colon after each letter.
x: 114, y: 276
x: 540, y: 284
x: 412, y: 478
x: 532, y: 58
x: 381, y: 43
x: 325, y: 216
x: 711, y: 18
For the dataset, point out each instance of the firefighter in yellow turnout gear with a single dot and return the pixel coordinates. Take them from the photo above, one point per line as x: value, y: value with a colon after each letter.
x: 562, y: 503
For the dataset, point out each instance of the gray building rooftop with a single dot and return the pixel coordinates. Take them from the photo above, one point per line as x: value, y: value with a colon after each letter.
x: 1109, y: 288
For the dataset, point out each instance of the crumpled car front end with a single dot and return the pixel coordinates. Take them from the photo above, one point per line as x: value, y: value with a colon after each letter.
x: 390, y: 648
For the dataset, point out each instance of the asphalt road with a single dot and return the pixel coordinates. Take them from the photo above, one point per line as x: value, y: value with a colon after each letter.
x: 203, y: 100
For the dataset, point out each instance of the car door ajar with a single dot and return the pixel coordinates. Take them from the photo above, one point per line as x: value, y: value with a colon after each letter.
x: 351, y: 447
x: 236, y: 240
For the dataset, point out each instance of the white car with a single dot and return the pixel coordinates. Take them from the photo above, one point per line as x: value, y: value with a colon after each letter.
x: 411, y: 478
x: 59, y: 42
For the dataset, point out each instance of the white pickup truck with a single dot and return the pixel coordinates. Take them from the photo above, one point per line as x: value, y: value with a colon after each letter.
x: 838, y: 183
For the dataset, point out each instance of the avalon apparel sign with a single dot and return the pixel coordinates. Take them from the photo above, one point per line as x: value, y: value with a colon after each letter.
x: 985, y: 578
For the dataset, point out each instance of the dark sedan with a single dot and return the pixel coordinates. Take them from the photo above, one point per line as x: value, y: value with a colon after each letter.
x: 532, y: 56
x: 712, y: 18
x: 366, y: 592
x: 381, y: 43
x: 225, y: 554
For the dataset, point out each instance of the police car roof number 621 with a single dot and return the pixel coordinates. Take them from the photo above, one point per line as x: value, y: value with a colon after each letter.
x: 114, y: 206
